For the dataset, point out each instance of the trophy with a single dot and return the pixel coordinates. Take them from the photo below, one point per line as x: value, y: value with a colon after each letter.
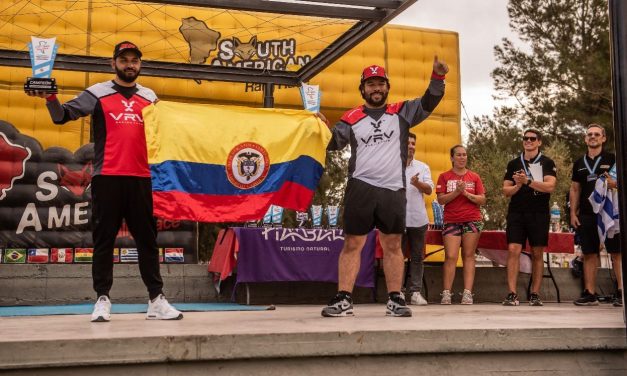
x: 251, y: 224
x: 302, y: 218
x: 42, y: 54
x: 267, y: 218
x: 277, y: 216
x: 316, y: 216
x: 332, y: 213
x: 310, y: 95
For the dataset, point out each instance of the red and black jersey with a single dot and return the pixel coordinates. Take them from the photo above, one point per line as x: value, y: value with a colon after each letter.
x: 117, y: 125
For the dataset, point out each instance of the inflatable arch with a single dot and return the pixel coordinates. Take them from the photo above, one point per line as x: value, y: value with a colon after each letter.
x: 179, y: 35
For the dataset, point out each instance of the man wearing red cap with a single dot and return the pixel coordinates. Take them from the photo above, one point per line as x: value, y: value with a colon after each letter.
x: 120, y: 188
x: 375, y: 194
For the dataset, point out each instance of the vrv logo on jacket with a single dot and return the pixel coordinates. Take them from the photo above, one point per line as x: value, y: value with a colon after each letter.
x: 128, y: 116
x: 378, y: 135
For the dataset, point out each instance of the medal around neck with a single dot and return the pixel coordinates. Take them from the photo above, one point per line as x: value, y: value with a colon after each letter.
x: 42, y: 54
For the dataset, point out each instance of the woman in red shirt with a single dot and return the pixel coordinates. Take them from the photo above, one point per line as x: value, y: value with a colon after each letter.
x: 461, y: 192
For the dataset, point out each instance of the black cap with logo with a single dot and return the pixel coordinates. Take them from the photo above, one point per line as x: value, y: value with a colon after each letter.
x: 122, y: 47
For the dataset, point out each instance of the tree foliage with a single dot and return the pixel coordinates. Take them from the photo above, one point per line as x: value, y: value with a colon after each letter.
x: 560, y: 80
x: 492, y: 145
x: 561, y: 77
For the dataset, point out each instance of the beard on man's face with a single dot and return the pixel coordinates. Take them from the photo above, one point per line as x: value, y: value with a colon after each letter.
x: 372, y: 102
x: 128, y: 75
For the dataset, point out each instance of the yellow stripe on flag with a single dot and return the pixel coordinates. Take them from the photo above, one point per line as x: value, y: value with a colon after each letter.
x: 205, y: 133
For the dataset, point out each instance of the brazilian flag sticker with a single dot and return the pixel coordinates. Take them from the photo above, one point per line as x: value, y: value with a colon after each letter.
x: 14, y: 256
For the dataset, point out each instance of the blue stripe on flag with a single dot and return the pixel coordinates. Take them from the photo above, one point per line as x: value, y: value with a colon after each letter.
x: 200, y: 178
x: 597, y: 197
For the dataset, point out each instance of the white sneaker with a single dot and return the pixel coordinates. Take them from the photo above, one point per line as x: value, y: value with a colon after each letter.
x: 417, y: 299
x: 446, y: 297
x: 467, y: 297
x: 102, y: 310
x: 160, y: 309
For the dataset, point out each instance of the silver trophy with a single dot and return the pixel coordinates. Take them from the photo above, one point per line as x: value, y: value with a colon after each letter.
x: 42, y: 54
x: 316, y: 216
x: 332, y: 214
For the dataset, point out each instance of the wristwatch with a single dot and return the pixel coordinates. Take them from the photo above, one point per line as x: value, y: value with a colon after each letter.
x: 529, y: 181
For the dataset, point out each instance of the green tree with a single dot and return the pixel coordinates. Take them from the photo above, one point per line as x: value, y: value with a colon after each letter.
x: 492, y: 143
x: 560, y: 80
x: 330, y: 190
x: 561, y: 77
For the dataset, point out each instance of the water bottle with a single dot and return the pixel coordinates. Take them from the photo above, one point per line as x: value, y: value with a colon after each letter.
x: 555, y: 218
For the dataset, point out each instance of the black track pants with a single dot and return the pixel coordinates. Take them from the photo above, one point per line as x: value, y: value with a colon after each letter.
x: 130, y: 198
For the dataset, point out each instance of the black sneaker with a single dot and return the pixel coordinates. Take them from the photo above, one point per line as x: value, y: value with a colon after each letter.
x: 618, y: 299
x: 397, y: 307
x: 511, y: 299
x: 340, y: 305
x: 587, y: 299
x: 534, y: 300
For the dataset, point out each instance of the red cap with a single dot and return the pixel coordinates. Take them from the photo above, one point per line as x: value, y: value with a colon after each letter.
x: 122, y: 47
x: 373, y: 71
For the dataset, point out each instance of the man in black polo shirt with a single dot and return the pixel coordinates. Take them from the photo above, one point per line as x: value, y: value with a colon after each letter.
x: 529, y: 181
x: 586, y: 171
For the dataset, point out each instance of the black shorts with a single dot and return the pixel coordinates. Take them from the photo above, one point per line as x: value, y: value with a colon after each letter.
x: 589, y: 236
x: 532, y: 226
x: 367, y: 207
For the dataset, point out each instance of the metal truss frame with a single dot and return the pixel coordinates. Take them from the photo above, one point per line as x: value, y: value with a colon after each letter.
x: 369, y: 14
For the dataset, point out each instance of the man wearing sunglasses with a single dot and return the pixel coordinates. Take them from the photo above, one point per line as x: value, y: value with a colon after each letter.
x: 529, y: 181
x: 586, y: 171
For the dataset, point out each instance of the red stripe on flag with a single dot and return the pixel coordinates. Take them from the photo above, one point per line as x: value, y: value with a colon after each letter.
x: 223, y: 208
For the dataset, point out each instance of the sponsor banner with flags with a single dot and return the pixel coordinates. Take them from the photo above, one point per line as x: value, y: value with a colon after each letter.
x: 83, y: 255
x: 128, y: 255
x: 174, y: 255
x: 45, y: 200
x: 61, y: 255
x: 38, y: 255
x: 214, y: 163
x: 14, y: 256
x: 161, y: 255
x: 116, y: 255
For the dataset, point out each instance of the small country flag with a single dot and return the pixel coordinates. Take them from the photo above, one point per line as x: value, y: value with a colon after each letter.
x: 83, y: 255
x: 14, y: 256
x: 61, y: 255
x: 116, y: 254
x: 128, y: 254
x: 161, y: 255
x: 37, y: 255
x: 174, y: 255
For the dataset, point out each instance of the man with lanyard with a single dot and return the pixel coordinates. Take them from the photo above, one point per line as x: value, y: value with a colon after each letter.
x: 375, y: 193
x: 120, y: 188
x: 419, y: 183
x: 586, y: 171
x: 529, y: 181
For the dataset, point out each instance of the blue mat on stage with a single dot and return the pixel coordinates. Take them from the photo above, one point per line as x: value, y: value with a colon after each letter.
x: 85, y: 309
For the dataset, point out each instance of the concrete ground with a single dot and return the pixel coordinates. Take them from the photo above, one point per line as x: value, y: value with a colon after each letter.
x: 290, y: 333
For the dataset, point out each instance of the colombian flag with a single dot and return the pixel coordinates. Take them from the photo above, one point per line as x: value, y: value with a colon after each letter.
x: 213, y: 163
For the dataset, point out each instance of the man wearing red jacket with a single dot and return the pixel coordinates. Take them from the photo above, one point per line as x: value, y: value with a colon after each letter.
x: 121, y: 187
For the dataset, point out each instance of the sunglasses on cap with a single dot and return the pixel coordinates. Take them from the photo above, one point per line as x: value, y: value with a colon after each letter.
x: 530, y: 138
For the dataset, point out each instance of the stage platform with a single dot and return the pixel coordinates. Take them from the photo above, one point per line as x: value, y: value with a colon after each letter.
x: 483, y: 339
